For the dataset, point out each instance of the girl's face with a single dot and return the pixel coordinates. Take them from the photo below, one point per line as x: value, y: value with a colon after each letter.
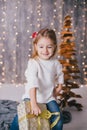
x: 45, y: 48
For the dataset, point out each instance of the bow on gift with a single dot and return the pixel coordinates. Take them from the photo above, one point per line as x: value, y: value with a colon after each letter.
x: 45, y: 114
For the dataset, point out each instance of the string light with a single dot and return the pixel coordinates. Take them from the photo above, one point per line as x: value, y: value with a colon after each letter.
x: 56, y: 24
x: 39, y: 15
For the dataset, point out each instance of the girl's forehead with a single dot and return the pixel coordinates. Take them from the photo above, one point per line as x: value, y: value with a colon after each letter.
x: 44, y: 40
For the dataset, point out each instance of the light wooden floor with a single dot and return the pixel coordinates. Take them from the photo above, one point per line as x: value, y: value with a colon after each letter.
x: 79, y: 118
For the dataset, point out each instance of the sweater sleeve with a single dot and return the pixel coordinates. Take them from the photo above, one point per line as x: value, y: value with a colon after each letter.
x: 31, y: 74
x: 60, y: 74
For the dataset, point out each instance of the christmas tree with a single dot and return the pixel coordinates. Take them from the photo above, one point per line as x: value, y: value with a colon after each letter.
x: 67, y: 52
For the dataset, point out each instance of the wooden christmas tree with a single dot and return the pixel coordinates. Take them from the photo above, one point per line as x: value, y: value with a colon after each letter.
x: 67, y: 52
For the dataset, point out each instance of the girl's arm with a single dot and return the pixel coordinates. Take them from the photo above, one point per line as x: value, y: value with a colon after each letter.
x: 57, y: 90
x: 35, y: 109
x: 60, y: 80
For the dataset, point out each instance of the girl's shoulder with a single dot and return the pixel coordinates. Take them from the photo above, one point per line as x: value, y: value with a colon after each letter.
x: 56, y: 61
x: 32, y: 61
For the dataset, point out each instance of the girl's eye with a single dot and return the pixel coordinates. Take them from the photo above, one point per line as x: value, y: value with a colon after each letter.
x: 49, y: 46
x: 41, y: 47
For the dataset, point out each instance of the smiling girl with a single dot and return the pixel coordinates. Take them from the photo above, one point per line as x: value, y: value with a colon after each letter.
x: 44, y: 76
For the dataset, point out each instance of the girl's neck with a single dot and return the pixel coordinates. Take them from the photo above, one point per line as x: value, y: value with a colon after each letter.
x: 44, y: 59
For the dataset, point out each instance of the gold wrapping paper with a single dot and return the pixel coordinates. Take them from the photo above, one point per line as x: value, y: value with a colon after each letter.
x: 28, y: 121
x: 31, y: 122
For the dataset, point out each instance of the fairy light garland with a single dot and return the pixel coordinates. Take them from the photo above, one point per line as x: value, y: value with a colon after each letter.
x: 28, y: 31
x: 83, y: 45
x: 59, y: 18
x: 13, y: 81
x: 40, y: 18
x: 2, y: 41
x: 39, y: 14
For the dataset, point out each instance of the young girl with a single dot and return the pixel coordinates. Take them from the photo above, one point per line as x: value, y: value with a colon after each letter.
x: 44, y: 76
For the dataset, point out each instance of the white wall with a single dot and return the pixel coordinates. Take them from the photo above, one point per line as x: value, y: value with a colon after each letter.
x: 11, y: 92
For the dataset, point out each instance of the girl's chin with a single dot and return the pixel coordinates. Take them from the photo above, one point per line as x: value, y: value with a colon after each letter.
x: 45, y: 57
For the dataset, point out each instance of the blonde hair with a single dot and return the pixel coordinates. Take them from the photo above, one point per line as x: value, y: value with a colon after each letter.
x: 48, y: 33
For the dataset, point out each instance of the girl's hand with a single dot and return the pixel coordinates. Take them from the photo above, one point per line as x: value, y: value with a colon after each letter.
x: 57, y: 90
x: 34, y: 106
x: 35, y: 109
x: 55, y: 93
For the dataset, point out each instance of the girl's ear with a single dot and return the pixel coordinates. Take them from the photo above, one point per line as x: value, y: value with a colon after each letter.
x: 55, y: 49
x: 34, y: 51
x: 35, y: 47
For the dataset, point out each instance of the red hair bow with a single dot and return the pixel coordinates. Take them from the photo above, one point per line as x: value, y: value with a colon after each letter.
x: 34, y: 35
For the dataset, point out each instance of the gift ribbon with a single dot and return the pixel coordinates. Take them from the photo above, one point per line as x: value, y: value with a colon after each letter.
x: 45, y: 114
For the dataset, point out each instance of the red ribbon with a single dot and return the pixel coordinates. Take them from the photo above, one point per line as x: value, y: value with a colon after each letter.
x: 34, y: 35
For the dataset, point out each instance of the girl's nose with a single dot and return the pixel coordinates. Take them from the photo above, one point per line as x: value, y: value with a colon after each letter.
x: 45, y: 49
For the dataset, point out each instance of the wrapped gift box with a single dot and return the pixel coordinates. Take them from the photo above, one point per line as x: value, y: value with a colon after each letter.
x: 27, y: 121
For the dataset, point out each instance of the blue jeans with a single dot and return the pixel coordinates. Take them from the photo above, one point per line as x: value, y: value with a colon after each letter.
x: 52, y: 106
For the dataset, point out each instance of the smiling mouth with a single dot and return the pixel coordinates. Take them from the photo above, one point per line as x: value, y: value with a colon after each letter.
x: 45, y: 54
